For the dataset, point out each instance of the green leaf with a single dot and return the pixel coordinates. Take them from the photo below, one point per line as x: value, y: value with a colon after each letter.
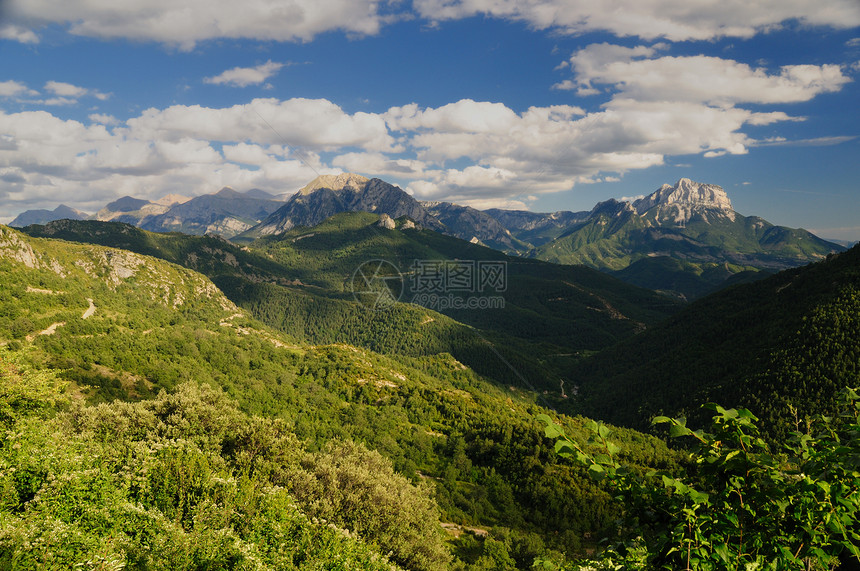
x: 744, y: 413
x: 552, y: 430
x: 722, y: 550
x: 678, y: 430
x: 564, y: 447
x: 730, y: 413
x: 603, y: 430
x: 596, y: 472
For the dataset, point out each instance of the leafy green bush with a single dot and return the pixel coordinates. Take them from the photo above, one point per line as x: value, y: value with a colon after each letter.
x: 739, y: 504
x: 358, y: 488
x: 150, y: 486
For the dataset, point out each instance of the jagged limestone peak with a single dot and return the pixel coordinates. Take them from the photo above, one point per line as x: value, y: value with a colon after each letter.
x: 336, y: 182
x: 686, y: 193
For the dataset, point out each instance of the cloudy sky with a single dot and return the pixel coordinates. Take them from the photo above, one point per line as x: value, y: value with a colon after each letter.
x: 543, y: 105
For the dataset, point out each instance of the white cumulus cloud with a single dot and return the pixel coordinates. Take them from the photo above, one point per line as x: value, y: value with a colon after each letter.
x: 675, y: 20
x: 637, y: 74
x: 314, y: 123
x: 65, y: 89
x: 67, y: 93
x: 183, y: 24
x: 245, y: 76
x: 14, y: 89
x: 18, y: 34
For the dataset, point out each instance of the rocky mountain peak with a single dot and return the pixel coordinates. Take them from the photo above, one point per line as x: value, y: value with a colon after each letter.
x: 385, y: 221
x: 686, y: 194
x: 227, y: 192
x: 171, y: 199
x: 126, y: 204
x: 336, y: 182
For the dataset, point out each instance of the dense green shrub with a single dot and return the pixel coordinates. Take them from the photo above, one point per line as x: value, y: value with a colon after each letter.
x: 740, y: 504
x: 180, y: 482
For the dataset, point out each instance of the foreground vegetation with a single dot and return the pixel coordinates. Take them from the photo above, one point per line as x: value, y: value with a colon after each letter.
x: 740, y: 503
x: 188, y: 481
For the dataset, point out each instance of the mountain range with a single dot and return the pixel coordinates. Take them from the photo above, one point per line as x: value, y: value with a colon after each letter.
x: 328, y: 195
x: 691, y: 224
x: 684, y: 239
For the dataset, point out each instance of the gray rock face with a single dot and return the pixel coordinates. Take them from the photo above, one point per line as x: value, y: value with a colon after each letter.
x: 16, y: 249
x: 328, y: 195
x: 130, y: 210
x: 534, y: 227
x: 226, y: 213
x: 679, y: 203
x: 385, y: 221
x: 466, y: 223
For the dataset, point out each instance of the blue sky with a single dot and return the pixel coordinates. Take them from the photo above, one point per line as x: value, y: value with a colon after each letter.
x: 551, y: 105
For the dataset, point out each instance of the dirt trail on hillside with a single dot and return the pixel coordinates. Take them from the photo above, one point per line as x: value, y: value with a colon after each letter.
x: 52, y: 328
x: 90, y: 310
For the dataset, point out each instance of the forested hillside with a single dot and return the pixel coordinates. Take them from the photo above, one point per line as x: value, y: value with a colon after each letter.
x: 299, y: 282
x: 86, y: 324
x: 783, y: 347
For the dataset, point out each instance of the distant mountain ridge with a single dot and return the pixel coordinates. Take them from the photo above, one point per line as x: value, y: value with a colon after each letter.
x: 227, y: 212
x: 534, y: 227
x: 691, y: 223
x: 328, y: 195
x: 476, y: 226
x: 41, y: 216
x: 133, y: 210
x: 684, y: 239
